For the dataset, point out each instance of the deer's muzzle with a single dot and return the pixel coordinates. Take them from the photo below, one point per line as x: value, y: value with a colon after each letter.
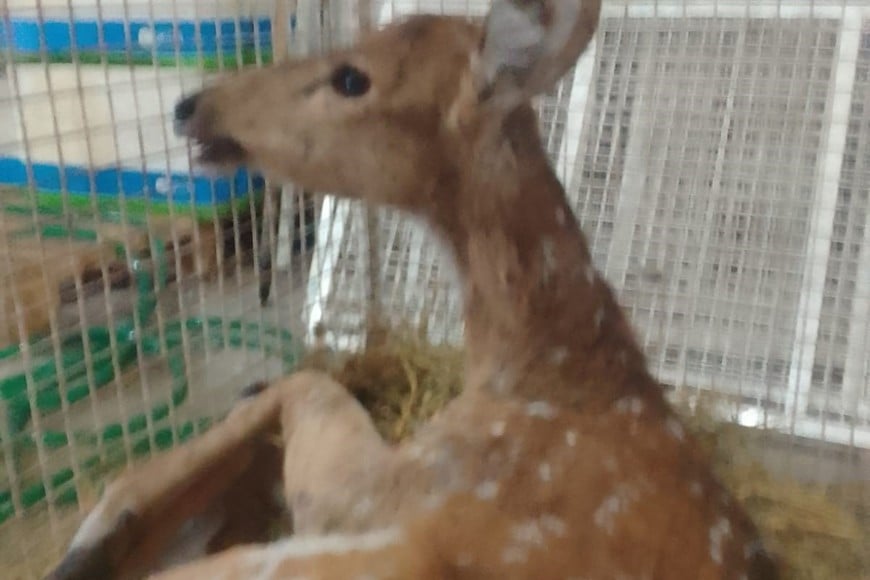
x: 194, y: 119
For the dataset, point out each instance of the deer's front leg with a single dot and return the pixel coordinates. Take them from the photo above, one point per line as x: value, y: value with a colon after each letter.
x: 219, y: 489
x: 334, y: 458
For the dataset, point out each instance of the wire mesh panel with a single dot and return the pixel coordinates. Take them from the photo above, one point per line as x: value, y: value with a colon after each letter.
x: 129, y: 314
x: 709, y: 160
x: 700, y: 144
x: 697, y: 187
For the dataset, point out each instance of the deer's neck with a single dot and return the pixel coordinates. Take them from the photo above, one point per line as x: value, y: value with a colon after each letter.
x: 540, y: 322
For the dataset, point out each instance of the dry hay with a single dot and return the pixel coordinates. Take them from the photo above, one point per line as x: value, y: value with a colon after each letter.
x: 818, y: 531
x: 402, y: 382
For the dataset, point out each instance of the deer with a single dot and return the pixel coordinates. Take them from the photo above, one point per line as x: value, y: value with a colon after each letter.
x: 561, y: 458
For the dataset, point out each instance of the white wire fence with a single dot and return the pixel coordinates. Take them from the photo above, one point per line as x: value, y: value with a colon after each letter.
x: 714, y: 153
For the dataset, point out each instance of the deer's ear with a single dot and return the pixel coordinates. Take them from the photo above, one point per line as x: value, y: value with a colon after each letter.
x: 528, y: 45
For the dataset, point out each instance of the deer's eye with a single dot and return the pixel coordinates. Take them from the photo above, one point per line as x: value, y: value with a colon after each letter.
x: 350, y: 82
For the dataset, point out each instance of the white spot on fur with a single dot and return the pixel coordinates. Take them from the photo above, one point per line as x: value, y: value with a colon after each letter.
x: 560, y: 216
x: 571, y: 438
x: 675, y: 429
x: 540, y: 409
x: 554, y: 525
x: 503, y: 381
x: 558, y: 355
x: 613, y: 505
x: 532, y: 533
x: 544, y: 472
x: 497, y: 428
x: 610, y: 464
x: 590, y: 273
x: 696, y: 489
x: 528, y: 533
x: 487, y: 490
x: 514, y: 556
x: 632, y: 405
x: 720, y: 530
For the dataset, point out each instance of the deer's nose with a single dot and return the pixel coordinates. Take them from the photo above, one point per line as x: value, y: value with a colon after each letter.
x: 184, y: 111
x: 185, y: 108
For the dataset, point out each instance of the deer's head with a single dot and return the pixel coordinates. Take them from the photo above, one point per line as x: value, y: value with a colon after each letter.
x: 397, y: 115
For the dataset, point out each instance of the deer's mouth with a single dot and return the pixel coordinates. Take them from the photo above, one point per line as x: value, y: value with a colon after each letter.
x: 219, y: 151
x: 212, y: 148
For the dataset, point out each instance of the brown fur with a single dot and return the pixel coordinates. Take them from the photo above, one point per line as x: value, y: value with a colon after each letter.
x: 561, y: 459
x: 536, y: 523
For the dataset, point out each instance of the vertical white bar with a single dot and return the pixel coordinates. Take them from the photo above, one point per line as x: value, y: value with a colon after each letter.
x: 415, y: 240
x: 335, y: 217
x: 634, y: 178
x: 859, y: 322
x: 821, y: 228
x: 307, y: 41
x: 334, y: 220
x: 284, y: 243
x: 576, y: 112
x: 859, y: 325
x: 307, y: 38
